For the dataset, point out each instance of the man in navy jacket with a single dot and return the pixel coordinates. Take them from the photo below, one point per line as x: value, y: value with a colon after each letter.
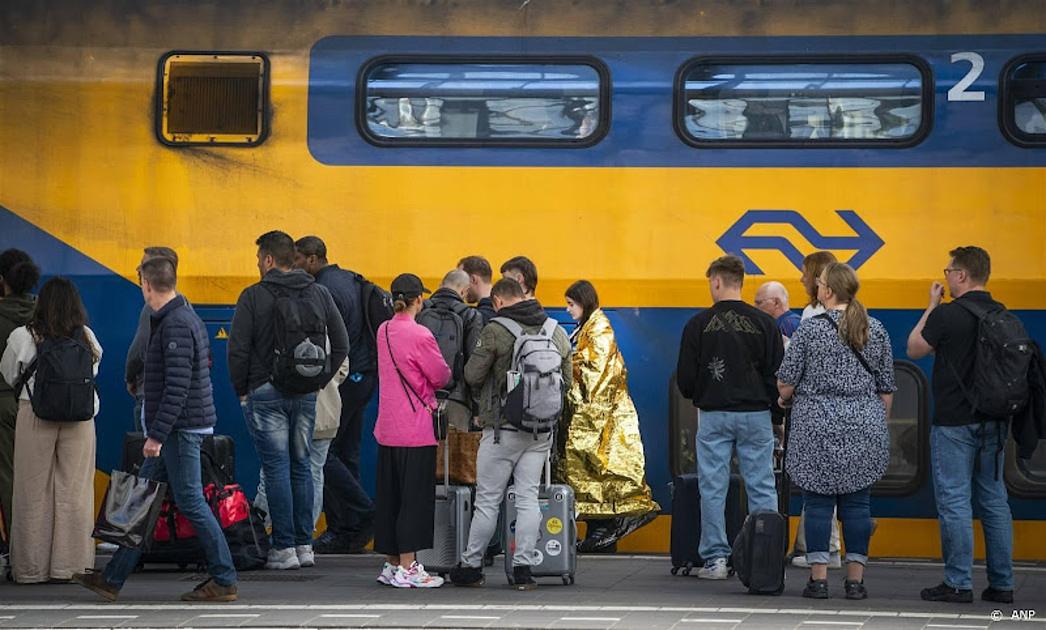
x: 179, y: 412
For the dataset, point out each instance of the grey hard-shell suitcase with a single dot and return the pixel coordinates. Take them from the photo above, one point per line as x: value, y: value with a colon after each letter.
x: 556, y: 549
x: 453, y: 517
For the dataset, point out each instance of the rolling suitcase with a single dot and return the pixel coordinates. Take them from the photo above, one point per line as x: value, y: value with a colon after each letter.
x: 685, y: 535
x: 556, y: 549
x: 220, y: 449
x: 452, y: 520
x: 682, y: 432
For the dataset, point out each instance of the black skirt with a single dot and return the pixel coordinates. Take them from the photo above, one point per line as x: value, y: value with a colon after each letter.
x: 406, y: 503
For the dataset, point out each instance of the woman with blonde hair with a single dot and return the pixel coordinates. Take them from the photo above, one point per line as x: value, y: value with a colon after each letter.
x: 603, y: 459
x: 837, y: 375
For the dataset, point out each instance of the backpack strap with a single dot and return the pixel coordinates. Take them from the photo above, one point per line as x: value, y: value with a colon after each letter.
x: 860, y: 357
x: 510, y: 325
x: 23, y: 380
x: 549, y: 327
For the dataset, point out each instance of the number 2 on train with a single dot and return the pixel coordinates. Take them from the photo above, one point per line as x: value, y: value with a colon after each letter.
x: 958, y: 92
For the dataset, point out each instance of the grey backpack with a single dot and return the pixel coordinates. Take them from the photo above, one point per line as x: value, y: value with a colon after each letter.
x: 534, y: 401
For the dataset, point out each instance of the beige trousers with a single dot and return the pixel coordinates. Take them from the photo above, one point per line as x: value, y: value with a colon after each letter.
x: 53, y: 498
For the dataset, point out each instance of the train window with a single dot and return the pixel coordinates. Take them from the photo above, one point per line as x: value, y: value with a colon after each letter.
x: 800, y: 103
x: 484, y: 103
x: 909, y: 433
x: 1026, y: 478
x: 1023, y: 102
x: 212, y: 99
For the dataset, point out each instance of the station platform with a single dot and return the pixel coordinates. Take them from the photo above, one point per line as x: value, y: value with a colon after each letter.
x: 619, y: 591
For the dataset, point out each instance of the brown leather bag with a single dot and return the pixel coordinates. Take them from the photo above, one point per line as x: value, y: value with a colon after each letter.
x: 464, y: 447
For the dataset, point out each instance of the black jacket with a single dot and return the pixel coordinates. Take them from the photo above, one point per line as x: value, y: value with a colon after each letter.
x: 345, y: 288
x: 472, y: 323
x: 251, y: 334
x: 177, y: 383
x: 485, y: 306
x: 1029, y: 426
x: 728, y: 358
x: 15, y: 311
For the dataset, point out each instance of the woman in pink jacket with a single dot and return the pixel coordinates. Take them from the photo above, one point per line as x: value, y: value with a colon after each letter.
x: 410, y: 370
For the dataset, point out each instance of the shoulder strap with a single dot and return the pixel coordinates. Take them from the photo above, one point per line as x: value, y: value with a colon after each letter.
x: 510, y: 325
x: 977, y: 310
x: 23, y: 380
x: 549, y: 327
x: 860, y: 357
x: 407, y: 388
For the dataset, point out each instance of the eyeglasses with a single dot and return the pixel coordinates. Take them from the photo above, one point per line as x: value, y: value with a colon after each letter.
x: 948, y: 270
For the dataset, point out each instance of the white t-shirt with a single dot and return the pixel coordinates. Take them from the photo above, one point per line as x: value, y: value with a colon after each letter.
x: 812, y: 311
x: 20, y: 352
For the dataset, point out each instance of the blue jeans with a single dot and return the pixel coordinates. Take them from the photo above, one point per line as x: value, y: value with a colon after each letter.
x: 956, y: 479
x: 854, y: 511
x: 179, y: 465
x: 281, y: 427
x: 718, y: 433
x: 317, y: 455
x: 349, y: 509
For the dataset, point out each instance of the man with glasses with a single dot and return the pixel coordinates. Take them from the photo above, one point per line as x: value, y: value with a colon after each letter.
x: 966, y: 447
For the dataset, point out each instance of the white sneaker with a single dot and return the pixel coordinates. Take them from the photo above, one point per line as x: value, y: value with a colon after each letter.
x: 714, y: 569
x: 388, y: 572
x: 282, y: 559
x: 415, y: 577
x: 834, y: 561
x: 306, y: 557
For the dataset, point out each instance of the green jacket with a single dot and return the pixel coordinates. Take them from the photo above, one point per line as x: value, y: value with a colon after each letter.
x: 487, y: 368
x: 15, y: 311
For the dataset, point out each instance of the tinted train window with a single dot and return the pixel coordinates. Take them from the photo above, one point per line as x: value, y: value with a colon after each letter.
x: 909, y: 430
x: 484, y: 103
x: 212, y: 99
x: 1026, y: 477
x: 803, y: 103
x: 1024, y: 100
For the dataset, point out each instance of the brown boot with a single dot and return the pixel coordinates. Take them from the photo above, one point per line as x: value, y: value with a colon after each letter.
x: 94, y: 581
x: 211, y: 591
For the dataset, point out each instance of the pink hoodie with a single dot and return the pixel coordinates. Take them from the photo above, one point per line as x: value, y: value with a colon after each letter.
x: 403, y: 420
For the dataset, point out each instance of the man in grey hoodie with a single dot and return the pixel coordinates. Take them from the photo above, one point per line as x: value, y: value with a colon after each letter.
x: 18, y: 276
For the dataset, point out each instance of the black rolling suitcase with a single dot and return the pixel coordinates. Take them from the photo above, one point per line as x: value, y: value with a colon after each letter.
x: 220, y: 449
x: 686, y: 519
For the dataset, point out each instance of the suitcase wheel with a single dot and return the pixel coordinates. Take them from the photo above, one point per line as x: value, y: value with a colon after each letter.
x: 675, y: 570
x: 566, y: 580
x: 686, y: 571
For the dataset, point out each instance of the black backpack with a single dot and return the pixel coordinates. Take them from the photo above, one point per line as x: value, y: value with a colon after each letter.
x: 377, y: 308
x: 301, y: 361
x: 447, y: 324
x: 64, y: 387
x: 1000, y: 368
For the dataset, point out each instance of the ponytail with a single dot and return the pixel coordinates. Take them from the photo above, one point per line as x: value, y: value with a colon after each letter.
x: 853, y: 327
x: 399, y: 306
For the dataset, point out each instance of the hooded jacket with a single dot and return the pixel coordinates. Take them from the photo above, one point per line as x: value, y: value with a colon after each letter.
x: 15, y: 311
x: 472, y: 325
x: 252, y: 336
x: 492, y: 357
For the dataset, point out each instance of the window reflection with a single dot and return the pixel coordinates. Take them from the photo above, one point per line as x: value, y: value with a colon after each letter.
x: 1027, y: 85
x: 803, y: 102
x: 483, y: 101
x: 903, y: 424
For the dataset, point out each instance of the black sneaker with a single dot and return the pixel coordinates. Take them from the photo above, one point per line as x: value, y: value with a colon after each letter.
x: 994, y: 595
x: 944, y: 593
x: 855, y: 589
x: 522, y: 580
x: 816, y: 589
x: 466, y: 576
x: 329, y: 543
x: 358, y: 541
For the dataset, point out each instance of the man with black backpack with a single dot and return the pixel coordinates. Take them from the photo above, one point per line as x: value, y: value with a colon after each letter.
x: 363, y: 307
x: 980, y: 380
x: 456, y: 327
x: 285, y: 343
x: 523, y: 347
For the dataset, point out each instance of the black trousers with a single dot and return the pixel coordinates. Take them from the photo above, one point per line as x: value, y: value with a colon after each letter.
x: 406, y: 501
x: 348, y: 507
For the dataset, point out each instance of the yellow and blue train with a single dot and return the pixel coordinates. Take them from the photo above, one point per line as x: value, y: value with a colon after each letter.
x: 628, y: 143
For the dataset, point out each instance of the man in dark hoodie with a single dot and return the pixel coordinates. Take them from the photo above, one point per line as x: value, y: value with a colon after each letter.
x: 18, y: 276
x: 281, y: 424
x: 348, y: 507
x: 518, y: 455
x: 450, y: 299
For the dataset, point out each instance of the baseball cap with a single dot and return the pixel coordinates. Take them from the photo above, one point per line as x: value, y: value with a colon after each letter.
x: 407, y: 286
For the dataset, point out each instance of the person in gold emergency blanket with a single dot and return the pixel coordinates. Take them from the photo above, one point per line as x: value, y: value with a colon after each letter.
x: 601, y: 451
